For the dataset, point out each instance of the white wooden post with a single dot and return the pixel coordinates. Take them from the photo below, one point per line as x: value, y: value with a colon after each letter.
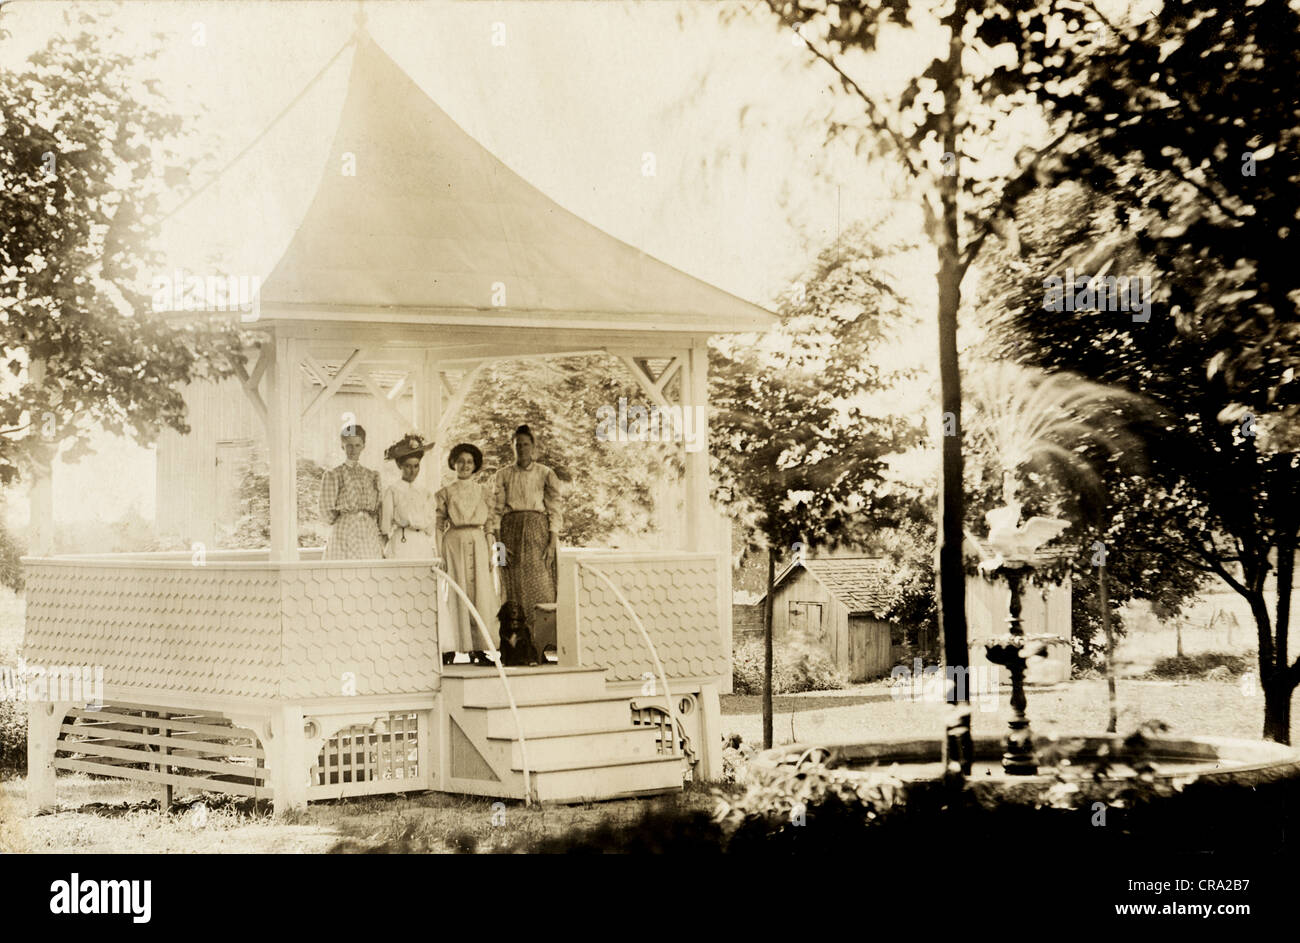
x: 283, y: 410
x: 43, y: 724
x: 289, y: 762
x: 697, y: 523
x: 429, y: 409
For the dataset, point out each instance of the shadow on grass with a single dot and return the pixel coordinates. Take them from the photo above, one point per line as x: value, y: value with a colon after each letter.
x: 1256, y: 821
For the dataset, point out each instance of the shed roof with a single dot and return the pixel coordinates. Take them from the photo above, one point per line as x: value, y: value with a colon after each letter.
x: 434, y: 225
x: 861, y: 583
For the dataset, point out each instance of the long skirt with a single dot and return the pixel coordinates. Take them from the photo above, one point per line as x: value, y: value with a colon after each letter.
x: 528, y: 580
x: 467, y: 561
x: 355, y: 536
x: 417, y: 545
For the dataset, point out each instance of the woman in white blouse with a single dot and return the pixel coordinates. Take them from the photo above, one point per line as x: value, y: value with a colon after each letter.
x: 406, y: 512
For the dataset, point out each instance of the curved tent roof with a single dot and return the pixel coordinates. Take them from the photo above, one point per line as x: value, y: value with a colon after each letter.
x: 432, y: 227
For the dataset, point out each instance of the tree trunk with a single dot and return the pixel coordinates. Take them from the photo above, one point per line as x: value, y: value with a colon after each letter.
x: 1112, y: 719
x: 1178, y: 634
x: 767, y: 652
x: 1277, y: 706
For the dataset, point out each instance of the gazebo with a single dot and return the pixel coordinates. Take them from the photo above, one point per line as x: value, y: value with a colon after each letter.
x: 276, y: 674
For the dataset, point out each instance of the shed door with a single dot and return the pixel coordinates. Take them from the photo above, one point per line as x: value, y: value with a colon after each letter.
x: 806, y: 619
x: 232, y: 462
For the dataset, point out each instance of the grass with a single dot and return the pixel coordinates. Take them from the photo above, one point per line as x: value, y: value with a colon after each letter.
x: 103, y: 816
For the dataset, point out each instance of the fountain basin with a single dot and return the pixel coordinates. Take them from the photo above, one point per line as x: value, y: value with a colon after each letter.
x: 912, y: 760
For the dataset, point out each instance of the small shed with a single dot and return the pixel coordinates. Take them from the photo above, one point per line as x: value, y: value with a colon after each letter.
x: 837, y: 603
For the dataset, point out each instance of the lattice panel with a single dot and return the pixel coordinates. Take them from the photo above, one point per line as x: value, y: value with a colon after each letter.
x: 363, y: 759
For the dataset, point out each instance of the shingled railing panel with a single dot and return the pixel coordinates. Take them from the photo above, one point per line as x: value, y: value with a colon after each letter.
x: 203, y: 630
x: 677, y: 598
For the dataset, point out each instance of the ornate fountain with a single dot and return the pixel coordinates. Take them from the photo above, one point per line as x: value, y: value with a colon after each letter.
x: 1012, y: 552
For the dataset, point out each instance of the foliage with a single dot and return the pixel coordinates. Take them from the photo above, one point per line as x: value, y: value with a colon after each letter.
x: 1199, y: 665
x: 1198, y: 185
x: 799, y: 457
x: 1082, y: 460
x: 130, y: 533
x: 13, y: 736
x: 253, y: 528
x: 796, y: 666
x: 610, y: 485
x: 882, y: 819
x: 11, y: 569
x: 85, y: 161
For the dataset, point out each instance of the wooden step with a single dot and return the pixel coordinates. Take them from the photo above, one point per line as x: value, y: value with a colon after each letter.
x: 483, y: 685
x: 560, y: 748
x: 542, y: 717
x: 609, y: 780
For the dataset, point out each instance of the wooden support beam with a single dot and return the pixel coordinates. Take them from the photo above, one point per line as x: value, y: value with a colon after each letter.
x: 387, y: 404
x: 666, y: 377
x: 506, y: 353
x: 317, y: 369
x: 644, y: 381
x: 333, y: 386
x: 250, y: 385
x: 453, y: 406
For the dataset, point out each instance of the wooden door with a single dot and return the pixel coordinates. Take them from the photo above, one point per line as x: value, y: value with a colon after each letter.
x: 806, y: 620
x: 232, y: 462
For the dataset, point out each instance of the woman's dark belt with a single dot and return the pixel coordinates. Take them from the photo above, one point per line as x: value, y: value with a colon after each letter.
x: 404, y: 528
x: 508, y: 513
x: 465, y: 527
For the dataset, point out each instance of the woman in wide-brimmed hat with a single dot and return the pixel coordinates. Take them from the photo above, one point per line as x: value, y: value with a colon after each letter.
x: 349, y: 501
x: 406, y: 516
x: 462, y: 517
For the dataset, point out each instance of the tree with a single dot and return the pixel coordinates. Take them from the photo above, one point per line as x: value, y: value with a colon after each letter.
x: 87, y: 153
x: 1197, y: 184
x: 987, y: 63
x: 799, y: 458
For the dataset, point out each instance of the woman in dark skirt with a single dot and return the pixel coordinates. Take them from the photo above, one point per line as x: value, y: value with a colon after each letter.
x: 527, y: 518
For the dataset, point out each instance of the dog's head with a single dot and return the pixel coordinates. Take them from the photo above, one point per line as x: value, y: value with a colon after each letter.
x: 511, y: 615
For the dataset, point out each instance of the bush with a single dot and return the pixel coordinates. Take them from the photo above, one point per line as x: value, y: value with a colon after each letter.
x: 131, y: 533
x: 796, y: 666
x: 11, y: 570
x: 13, y: 736
x: 253, y: 529
x: 1196, y: 667
x: 881, y: 819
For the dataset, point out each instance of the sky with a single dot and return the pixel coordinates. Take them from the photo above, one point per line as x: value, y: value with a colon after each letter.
x: 573, y: 96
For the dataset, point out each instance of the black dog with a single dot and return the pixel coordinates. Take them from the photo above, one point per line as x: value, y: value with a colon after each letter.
x: 517, y: 648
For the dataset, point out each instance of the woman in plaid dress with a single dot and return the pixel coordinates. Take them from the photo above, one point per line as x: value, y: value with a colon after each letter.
x: 349, y: 500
